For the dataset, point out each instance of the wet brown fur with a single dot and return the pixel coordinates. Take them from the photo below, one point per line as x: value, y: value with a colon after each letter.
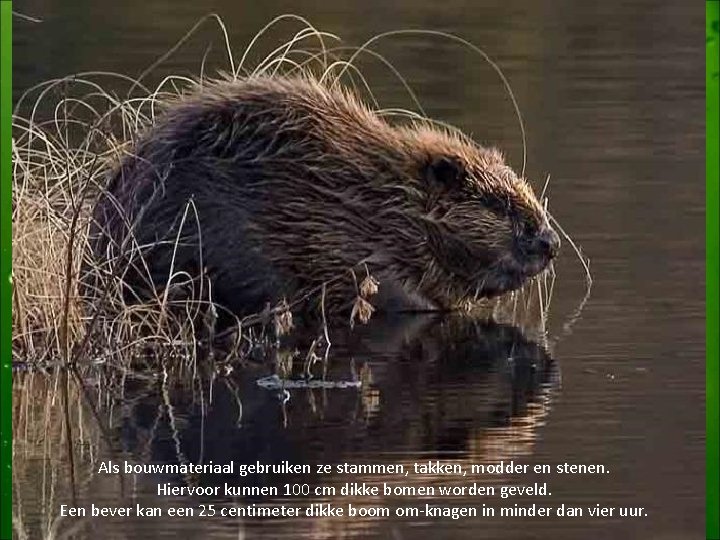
x: 295, y: 183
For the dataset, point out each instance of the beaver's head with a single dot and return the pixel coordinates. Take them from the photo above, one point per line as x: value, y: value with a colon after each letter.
x: 486, y: 231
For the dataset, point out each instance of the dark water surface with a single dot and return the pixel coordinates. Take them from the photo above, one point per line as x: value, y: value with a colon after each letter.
x: 613, y: 99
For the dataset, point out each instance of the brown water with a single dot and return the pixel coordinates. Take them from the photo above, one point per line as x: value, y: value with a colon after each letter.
x: 613, y: 99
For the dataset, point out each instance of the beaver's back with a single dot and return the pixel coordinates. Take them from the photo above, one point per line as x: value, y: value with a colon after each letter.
x: 185, y: 198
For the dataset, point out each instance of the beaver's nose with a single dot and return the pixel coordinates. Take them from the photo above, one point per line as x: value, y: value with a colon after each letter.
x: 546, y: 242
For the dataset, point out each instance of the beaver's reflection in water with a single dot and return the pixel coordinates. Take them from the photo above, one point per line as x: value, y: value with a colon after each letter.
x: 431, y: 388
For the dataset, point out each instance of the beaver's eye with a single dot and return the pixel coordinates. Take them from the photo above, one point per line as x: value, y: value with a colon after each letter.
x: 445, y: 172
x: 494, y: 203
x: 529, y: 229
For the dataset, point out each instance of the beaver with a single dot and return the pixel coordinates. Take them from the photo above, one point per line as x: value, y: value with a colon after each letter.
x: 278, y: 187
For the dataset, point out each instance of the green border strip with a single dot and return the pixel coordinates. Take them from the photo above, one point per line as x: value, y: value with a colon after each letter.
x: 5, y: 266
x: 712, y: 290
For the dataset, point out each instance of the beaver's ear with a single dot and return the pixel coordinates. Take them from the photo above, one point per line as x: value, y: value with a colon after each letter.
x: 445, y: 172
